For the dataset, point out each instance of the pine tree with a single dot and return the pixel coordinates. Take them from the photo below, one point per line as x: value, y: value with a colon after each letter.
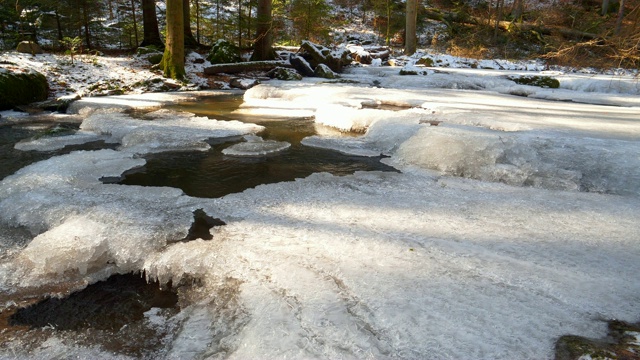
x: 173, y: 60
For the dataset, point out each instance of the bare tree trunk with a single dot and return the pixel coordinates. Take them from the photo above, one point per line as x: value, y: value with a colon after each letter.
x: 620, y: 17
x: 605, y: 7
x: 499, y: 12
x: 198, y: 21
x: 517, y: 10
x: 388, y: 35
x: 240, y: 23
x: 410, y: 36
x: 151, y: 34
x: 173, y: 60
x: 85, y: 20
x: 262, y: 47
x: 189, y: 40
x: 135, y: 21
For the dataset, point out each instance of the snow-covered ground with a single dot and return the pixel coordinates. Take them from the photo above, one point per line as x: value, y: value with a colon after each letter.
x: 514, y: 221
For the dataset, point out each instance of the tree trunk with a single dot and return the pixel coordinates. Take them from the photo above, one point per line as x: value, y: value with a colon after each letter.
x: 517, y: 10
x: 135, y: 21
x: 198, y: 21
x: 262, y: 47
x: 240, y: 24
x: 620, y: 17
x: 85, y: 20
x: 151, y: 34
x: 410, y: 40
x: 189, y: 40
x: 605, y: 7
x: 173, y: 60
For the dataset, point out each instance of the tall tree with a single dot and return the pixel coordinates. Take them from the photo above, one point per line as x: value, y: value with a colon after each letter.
x: 173, y: 59
x: 189, y: 40
x: 262, y: 49
x: 410, y: 39
x: 151, y: 34
x: 135, y: 21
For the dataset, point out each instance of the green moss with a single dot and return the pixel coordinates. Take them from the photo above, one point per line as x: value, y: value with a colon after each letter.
x: 534, y: 80
x: 155, y: 58
x: 22, y: 88
x: 224, y: 52
x: 425, y: 61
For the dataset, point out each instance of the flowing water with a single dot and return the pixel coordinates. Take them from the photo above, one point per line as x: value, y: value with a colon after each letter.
x: 113, y: 309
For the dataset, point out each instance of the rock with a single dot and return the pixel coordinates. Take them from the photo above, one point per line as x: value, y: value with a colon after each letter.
x: 301, y: 65
x: 60, y: 104
x: 282, y: 73
x: 29, y: 47
x: 20, y: 87
x: 535, y: 80
x: 155, y: 58
x: 224, y: 52
x: 324, y: 71
x: 144, y: 50
x: 243, y: 83
x: 426, y: 61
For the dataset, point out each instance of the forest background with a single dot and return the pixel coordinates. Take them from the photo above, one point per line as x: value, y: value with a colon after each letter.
x: 594, y: 33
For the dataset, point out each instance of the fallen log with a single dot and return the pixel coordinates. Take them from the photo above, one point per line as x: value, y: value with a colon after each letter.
x: 235, y: 68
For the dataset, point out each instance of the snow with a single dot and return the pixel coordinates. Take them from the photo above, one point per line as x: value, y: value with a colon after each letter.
x: 513, y: 221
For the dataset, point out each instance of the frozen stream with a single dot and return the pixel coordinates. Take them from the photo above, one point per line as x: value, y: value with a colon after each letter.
x: 513, y: 222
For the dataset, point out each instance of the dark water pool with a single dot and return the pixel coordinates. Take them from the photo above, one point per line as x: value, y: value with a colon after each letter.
x: 213, y: 174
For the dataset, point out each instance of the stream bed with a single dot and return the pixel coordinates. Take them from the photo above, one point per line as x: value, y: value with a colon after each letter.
x: 117, y: 313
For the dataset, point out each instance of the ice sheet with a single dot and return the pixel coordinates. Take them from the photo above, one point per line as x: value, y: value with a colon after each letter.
x: 256, y: 146
x: 163, y: 130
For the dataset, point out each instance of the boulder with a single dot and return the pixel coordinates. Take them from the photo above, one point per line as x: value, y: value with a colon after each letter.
x: 282, y: 73
x: 29, y: 47
x: 324, y: 71
x: 301, y: 65
x: 21, y: 87
x: 224, y: 52
x: 243, y: 83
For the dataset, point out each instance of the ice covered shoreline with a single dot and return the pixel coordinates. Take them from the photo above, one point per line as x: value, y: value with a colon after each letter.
x: 419, y: 264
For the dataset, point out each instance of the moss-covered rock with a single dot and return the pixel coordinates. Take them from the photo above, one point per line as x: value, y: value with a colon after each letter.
x: 282, y: 73
x: 151, y: 49
x: 155, y: 58
x: 426, y: 61
x: 621, y: 343
x: 224, y: 52
x: 19, y: 87
x: 535, y: 80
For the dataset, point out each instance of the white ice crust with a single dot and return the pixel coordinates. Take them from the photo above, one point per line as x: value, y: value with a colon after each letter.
x: 256, y: 146
x: 163, y: 130
x: 514, y: 221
